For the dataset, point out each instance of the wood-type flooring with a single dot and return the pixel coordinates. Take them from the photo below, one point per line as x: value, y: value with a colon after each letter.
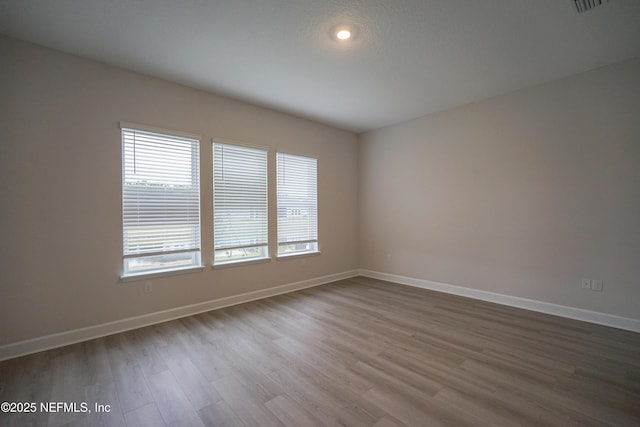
x: 358, y: 352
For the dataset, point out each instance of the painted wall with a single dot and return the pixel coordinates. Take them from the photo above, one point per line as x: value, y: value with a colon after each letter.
x: 60, y: 191
x: 523, y: 194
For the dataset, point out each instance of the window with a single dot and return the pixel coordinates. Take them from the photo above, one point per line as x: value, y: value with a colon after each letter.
x: 240, y: 221
x: 297, y: 204
x: 160, y: 200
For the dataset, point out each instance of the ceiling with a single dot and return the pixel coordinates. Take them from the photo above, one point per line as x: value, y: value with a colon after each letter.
x: 408, y: 57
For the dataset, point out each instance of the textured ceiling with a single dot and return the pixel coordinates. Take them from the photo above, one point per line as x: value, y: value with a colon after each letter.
x: 409, y: 58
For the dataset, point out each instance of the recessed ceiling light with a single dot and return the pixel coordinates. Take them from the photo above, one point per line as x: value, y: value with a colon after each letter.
x: 343, y: 34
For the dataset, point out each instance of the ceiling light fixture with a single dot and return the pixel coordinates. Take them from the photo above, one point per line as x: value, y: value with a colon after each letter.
x: 343, y: 34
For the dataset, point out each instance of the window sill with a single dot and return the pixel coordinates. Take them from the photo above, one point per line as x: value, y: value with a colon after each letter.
x: 163, y: 273
x: 298, y: 255
x: 240, y: 263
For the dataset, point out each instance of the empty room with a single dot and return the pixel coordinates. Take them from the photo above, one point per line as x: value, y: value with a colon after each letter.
x: 319, y: 213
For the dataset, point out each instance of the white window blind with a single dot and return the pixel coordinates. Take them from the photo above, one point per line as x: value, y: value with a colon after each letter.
x: 160, y: 201
x: 240, y: 220
x: 297, y: 204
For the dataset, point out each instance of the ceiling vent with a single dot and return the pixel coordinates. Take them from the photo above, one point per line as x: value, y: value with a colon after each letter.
x: 582, y: 6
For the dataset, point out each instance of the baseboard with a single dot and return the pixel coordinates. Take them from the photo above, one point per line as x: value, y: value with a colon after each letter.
x: 9, y: 351
x: 528, y: 304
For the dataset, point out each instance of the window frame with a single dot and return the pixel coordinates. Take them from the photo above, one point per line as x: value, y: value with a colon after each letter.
x: 263, y: 247
x: 313, y: 243
x: 194, y: 252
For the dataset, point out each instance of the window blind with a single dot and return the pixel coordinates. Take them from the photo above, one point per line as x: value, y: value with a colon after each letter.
x: 297, y: 204
x: 240, y: 219
x: 160, y: 201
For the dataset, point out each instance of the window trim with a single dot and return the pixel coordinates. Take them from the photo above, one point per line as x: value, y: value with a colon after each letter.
x: 155, y: 129
x: 160, y: 273
x: 135, y: 276
x: 240, y: 262
x: 316, y: 250
x: 292, y: 255
x: 265, y: 247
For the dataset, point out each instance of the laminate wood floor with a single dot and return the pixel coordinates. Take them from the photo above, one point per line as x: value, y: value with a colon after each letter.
x: 358, y: 352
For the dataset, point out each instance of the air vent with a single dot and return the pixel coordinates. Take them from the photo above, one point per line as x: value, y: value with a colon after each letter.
x: 582, y: 6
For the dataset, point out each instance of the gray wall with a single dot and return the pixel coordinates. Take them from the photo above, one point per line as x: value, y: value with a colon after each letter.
x: 60, y: 184
x: 522, y: 194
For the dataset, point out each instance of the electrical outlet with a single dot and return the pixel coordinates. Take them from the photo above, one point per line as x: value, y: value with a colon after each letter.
x: 148, y: 287
x: 596, y: 285
x: 586, y: 284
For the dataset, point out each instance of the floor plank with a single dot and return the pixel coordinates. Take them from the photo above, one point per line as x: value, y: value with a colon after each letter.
x: 171, y: 401
x: 145, y: 416
x: 220, y: 414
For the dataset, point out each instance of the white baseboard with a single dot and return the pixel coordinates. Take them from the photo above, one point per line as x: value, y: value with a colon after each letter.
x: 605, y: 319
x: 9, y: 351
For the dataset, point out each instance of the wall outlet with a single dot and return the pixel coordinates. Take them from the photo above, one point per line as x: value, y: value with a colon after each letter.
x: 148, y: 287
x: 592, y: 284
x: 596, y: 285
